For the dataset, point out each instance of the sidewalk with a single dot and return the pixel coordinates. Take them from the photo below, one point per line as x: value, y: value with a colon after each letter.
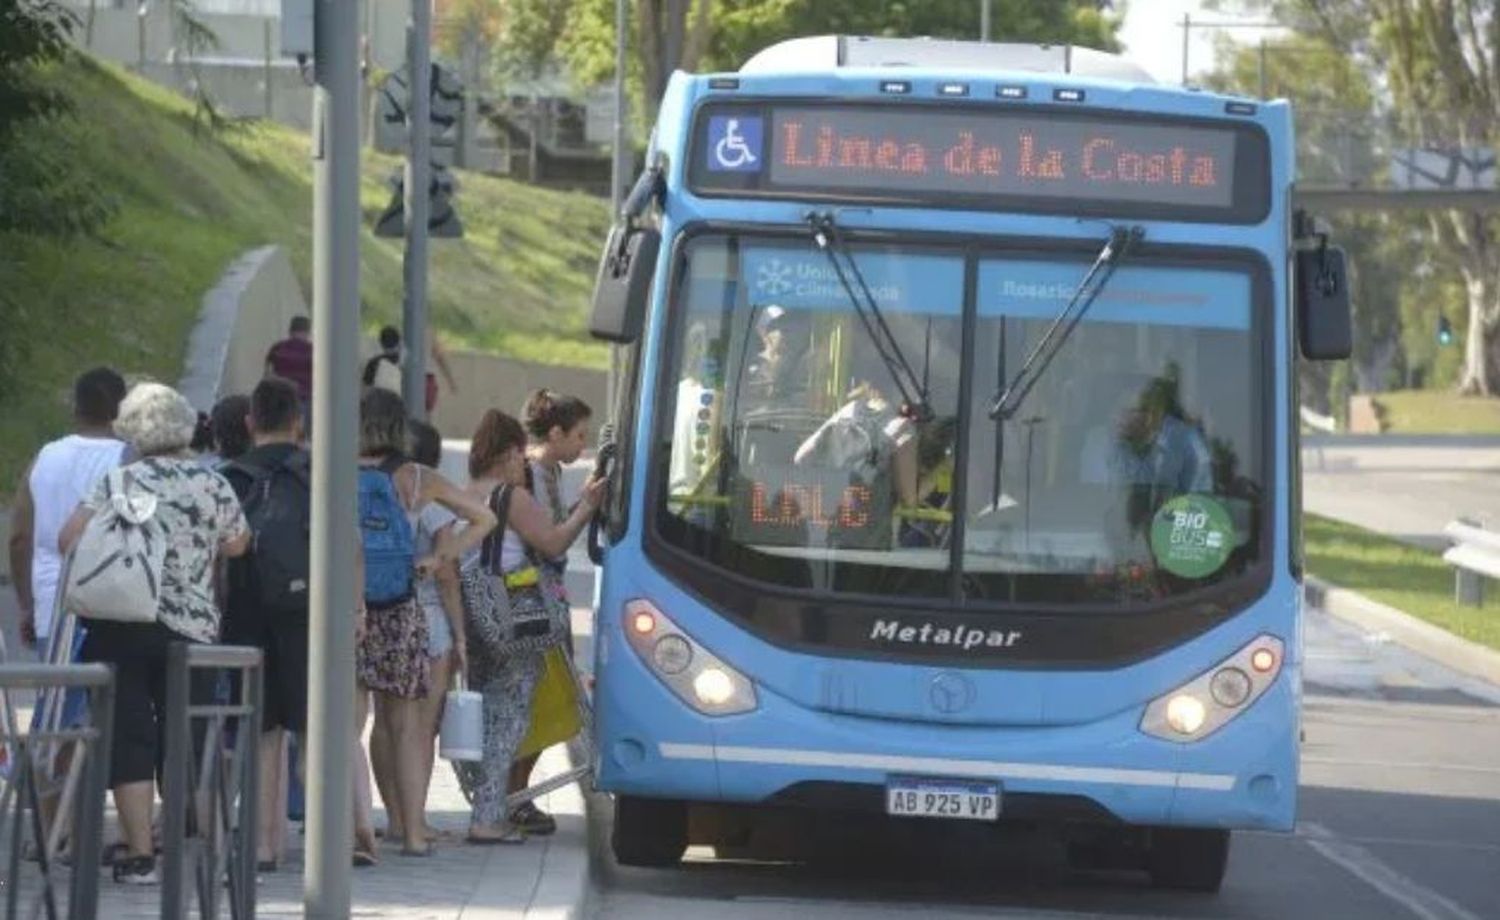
x: 544, y: 879
x: 547, y: 877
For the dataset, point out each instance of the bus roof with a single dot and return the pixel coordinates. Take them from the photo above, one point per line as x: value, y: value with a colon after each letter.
x: 830, y: 52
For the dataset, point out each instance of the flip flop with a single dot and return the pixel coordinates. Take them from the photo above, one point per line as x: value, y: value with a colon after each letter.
x: 364, y: 859
x: 423, y: 852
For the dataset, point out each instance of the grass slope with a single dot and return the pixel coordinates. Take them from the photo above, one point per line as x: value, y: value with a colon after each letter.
x: 190, y: 202
x: 1439, y: 412
x: 1412, y: 580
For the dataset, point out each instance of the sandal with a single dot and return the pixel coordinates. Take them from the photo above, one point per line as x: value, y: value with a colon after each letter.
x: 364, y: 859
x: 425, y: 851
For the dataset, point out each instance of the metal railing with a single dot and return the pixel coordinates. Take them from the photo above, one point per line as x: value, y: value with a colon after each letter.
x: 1475, y: 556
x: 29, y: 756
x: 219, y: 775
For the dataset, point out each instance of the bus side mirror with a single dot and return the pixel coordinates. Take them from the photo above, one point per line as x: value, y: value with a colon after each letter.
x: 623, y: 286
x: 1323, y: 321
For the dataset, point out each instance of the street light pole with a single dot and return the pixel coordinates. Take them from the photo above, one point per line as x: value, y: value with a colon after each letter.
x: 416, y: 207
x: 984, y: 20
x: 618, y: 168
x: 330, y: 737
x: 1187, y: 33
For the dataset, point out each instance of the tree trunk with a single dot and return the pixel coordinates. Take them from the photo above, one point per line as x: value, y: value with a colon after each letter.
x: 1471, y: 237
x: 1478, y: 374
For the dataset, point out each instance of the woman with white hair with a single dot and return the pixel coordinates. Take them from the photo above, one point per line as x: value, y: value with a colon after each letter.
x: 199, y: 517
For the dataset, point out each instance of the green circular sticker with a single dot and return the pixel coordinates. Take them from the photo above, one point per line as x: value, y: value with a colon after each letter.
x: 1191, y: 536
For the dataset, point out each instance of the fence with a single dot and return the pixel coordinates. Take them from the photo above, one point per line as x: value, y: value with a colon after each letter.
x: 29, y: 761
x: 219, y: 771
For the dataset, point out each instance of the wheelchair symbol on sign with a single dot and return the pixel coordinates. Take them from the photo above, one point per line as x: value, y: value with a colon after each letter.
x: 732, y: 152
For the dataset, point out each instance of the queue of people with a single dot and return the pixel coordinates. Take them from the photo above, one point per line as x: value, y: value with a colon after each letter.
x: 231, y: 519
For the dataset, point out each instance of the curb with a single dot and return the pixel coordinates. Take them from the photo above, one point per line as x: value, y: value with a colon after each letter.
x: 1433, y: 642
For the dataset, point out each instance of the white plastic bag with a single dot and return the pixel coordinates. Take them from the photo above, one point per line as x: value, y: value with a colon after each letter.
x: 462, y: 734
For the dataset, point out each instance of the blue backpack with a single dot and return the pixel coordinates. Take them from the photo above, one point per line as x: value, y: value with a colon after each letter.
x: 390, y: 545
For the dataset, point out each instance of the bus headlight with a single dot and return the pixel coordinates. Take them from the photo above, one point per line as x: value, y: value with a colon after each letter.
x: 1185, y: 714
x: 1200, y: 707
x: 698, y: 677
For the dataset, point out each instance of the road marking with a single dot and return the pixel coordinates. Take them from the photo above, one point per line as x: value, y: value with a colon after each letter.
x: 941, y: 766
x: 1366, y: 866
x: 1400, y: 765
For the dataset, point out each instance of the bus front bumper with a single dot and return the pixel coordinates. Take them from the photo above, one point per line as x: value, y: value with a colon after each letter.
x: 1244, y: 775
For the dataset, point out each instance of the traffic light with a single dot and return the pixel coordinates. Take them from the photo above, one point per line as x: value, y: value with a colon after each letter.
x: 1444, y: 331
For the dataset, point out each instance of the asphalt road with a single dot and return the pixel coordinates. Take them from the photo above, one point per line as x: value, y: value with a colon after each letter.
x: 1407, y: 488
x: 1400, y: 817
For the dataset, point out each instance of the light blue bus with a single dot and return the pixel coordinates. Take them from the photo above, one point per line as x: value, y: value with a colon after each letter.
x: 957, y: 471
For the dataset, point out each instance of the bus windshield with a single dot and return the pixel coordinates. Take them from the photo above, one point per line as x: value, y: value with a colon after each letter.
x: 1132, y: 472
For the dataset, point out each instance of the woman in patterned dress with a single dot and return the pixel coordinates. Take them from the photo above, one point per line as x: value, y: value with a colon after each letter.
x: 199, y: 517
x: 558, y: 426
x: 497, y: 457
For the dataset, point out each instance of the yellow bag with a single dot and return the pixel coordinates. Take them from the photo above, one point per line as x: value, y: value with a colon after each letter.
x: 554, y: 708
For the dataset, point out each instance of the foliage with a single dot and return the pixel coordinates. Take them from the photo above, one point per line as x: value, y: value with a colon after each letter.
x: 32, y: 33
x: 1437, y: 66
x: 189, y: 203
x: 722, y: 34
x: 43, y: 193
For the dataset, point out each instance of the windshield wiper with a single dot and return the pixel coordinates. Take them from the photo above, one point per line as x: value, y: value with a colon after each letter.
x: 1010, y: 396
x: 826, y: 235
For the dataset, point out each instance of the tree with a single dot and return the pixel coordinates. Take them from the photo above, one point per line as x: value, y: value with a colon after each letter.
x: 1438, y: 63
x: 668, y: 35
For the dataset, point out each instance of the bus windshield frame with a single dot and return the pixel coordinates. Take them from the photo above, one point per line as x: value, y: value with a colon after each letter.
x: 834, y: 621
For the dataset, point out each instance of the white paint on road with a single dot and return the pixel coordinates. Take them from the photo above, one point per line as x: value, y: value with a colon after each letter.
x: 1401, y: 765
x: 1423, y: 902
x: 939, y: 766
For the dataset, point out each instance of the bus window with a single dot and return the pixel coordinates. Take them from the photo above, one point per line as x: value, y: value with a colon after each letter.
x: 1133, y: 470
x: 792, y: 457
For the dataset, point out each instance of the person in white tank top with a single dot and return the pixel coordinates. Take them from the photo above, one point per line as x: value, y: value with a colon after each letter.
x: 62, y: 475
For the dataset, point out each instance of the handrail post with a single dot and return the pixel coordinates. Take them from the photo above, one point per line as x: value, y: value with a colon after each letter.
x: 247, y: 741
x: 88, y: 816
x: 175, y: 782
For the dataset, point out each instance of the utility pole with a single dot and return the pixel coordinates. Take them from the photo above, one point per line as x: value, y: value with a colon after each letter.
x: 418, y: 178
x: 1187, y: 33
x: 984, y: 20
x: 334, y: 594
x: 618, y: 168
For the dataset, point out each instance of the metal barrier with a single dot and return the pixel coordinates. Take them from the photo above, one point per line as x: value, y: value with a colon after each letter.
x: 29, y: 754
x: 1475, y: 556
x: 224, y: 784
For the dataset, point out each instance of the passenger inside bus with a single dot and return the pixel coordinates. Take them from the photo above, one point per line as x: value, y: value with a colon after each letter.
x: 1152, y: 442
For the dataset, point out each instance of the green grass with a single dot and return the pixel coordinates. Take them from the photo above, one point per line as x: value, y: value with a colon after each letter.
x: 1413, y: 580
x: 190, y: 202
x: 1439, y: 412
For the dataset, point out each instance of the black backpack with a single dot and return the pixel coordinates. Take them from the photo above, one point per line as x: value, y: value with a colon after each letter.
x: 278, y: 507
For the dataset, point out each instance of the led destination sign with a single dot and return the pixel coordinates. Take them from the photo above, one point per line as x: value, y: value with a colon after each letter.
x: 1028, y: 159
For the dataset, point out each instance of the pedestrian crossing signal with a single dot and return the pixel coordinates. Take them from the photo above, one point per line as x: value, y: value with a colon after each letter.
x: 1444, y: 331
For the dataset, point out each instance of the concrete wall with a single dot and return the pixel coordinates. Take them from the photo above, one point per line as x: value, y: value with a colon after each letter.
x: 242, y: 316
x: 258, y: 295
x: 488, y: 381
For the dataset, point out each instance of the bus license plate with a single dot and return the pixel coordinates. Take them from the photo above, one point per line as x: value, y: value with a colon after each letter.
x: 913, y: 797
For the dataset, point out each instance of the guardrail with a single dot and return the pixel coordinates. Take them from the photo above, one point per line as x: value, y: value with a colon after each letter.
x: 1475, y: 556
x: 28, y: 753
x: 222, y: 774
